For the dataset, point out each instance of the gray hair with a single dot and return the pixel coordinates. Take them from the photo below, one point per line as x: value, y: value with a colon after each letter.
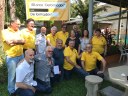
x: 49, y: 47
x: 54, y: 27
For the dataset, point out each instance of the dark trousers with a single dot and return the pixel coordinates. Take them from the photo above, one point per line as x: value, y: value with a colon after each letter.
x: 94, y: 72
x: 81, y: 72
x: 41, y: 87
x: 98, y: 63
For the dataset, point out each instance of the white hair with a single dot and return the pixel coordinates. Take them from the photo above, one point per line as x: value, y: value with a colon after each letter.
x: 49, y: 47
x: 54, y: 27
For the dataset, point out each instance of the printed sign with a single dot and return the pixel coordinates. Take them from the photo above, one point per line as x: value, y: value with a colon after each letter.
x: 48, y: 9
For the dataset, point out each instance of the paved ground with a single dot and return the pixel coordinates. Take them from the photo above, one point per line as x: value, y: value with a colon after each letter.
x: 113, y: 65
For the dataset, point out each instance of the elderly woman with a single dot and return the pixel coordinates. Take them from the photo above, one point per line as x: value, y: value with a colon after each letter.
x: 99, y: 44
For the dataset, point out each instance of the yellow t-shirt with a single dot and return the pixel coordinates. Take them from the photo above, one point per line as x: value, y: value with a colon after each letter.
x: 72, y: 54
x: 10, y: 34
x: 52, y: 39
x: 90, y: 60
x: 29, y: 37
x: 98, y: 44
x: 63, y: 36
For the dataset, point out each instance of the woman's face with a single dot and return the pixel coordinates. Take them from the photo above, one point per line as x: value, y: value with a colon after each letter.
x: 85, y: 33
x: 72, y: 34
x: 97, y: 33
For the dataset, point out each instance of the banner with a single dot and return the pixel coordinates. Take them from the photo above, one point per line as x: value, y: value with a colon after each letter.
x: 48, y: 9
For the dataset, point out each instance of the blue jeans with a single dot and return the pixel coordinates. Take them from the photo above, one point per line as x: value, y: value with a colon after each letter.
x: 41, y: 87
x: 11, y: 66
x: 80, y: 71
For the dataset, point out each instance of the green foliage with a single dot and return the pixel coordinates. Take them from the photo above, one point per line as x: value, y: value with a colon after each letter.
x: 20, y: 10
x: 3, y: 69
x: 81, y: 8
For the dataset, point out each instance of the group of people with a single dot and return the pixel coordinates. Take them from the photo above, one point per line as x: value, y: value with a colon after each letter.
x: 56, y: 56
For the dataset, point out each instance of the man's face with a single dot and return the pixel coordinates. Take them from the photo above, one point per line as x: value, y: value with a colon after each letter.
x: 89, y: 48
x: 31, y: 25
x: 71, y: 44
x: 59, y: 44
x: 30, y: 56
x: 64, y: 28
x: 43, y: 31
x: 49, y: 52
x: 15, y: 25
x: 53, y: 31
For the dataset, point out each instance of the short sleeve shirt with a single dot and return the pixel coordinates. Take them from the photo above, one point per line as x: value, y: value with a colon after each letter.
x: 63, y: 36
x: 98, y: 44
x: 25, y: 74
x: 73, y: 55
x: 90, y: 60
x: 10, y: 34
x: 29, y: 37
x: 52, y: 39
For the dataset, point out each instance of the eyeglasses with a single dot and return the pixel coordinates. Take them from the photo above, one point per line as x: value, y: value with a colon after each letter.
x: 31, y: 55
x: 50, y: 51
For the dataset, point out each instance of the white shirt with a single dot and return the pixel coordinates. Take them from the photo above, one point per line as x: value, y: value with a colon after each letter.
x: 41, y: 43
x: 25, y: 73
x: 83, y: 42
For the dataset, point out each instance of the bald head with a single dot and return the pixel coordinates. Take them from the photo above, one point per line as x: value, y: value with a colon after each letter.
x: 29, y: 55
x: 43, y: 30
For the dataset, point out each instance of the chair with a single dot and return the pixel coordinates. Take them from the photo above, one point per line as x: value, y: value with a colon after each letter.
x: 123, y: 53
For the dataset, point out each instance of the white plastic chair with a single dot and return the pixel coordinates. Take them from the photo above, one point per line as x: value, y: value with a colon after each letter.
x: 123, y: 53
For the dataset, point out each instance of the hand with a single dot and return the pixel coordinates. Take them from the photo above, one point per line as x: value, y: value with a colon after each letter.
x: 33, y: 89
x: 99, y: 72
x: 77, y: 66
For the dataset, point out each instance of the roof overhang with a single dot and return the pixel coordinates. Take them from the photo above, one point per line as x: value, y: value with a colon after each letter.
x: 124, y: 3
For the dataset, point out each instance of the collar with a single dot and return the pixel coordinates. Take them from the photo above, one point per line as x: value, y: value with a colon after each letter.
x: 27, y: 64
x: 11, y: 30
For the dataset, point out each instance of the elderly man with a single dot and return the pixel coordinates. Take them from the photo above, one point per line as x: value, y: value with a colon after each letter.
x: 58, y: 56
x: 70, y: 64
x: 41, y: 41
x: 52, y: 36
x: 25, y: 85
x: 44, y: 68
x: 89, y: 59
x: 12, y: 45
x: 29, y: 34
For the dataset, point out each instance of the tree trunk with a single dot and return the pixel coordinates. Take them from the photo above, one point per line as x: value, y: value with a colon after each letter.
x: 84, y: 24
x: 2, y: 15
x: 12, y: 8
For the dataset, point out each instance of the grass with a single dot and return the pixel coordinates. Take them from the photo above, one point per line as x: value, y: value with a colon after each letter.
x: 73, y: 87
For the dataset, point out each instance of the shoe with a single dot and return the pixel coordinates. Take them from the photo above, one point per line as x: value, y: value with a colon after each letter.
x: 13, y: 94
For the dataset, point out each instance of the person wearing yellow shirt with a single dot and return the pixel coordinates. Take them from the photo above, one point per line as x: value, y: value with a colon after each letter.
x: 51, y: 38
x: 70, y: 65
x: 63, y: 35
x: 29, y: 34
x: 89, y: 59
x: 13, y: 47
x: 99, y: 44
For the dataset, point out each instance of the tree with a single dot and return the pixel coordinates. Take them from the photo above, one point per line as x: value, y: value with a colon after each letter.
x: 2, y: 12
x: 18, y: 11
x: 12, y: 7
x: 81, y: 7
